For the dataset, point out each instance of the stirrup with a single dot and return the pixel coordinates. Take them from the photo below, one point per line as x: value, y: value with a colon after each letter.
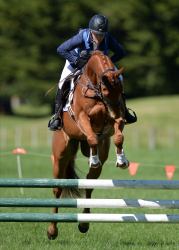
x: 54, y: 123
x: 133, y: 117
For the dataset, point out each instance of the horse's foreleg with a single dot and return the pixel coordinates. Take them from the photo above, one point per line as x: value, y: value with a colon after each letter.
x: 118, y: 138
x: 92, y: 139
x: 93, y: 142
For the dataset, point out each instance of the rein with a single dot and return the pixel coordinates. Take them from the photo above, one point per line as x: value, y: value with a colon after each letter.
x: 98, y: 93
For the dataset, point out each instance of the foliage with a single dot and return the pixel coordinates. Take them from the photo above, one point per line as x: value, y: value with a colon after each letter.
x: 32, y: 30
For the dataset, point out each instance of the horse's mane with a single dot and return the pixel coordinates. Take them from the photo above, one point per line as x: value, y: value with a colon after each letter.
x: 101, y: 55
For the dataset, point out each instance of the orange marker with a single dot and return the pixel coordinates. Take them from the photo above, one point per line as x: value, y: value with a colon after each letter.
x: 133, y: 168
x: 170, y: 169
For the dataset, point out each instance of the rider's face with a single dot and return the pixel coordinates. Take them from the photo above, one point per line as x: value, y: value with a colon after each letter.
x: 97, y: 38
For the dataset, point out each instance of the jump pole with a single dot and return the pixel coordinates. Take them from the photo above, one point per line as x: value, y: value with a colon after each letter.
x: 88, y: 184
x: 90, y: 203
x: 125, y: 218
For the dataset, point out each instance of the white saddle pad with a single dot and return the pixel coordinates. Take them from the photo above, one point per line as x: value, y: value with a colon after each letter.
x: 70, y: 98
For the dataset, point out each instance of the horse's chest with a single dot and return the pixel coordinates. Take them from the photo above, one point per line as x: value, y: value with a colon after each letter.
x: 97, y: 114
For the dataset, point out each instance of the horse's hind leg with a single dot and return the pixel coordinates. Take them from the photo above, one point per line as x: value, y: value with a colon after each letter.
x: 94, y: 173
x: 62, y: 155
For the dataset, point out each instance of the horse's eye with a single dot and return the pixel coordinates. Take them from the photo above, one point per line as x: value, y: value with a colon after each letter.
x: 105, y: 80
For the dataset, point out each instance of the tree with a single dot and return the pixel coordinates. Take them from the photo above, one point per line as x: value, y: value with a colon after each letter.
x: 32, y: 30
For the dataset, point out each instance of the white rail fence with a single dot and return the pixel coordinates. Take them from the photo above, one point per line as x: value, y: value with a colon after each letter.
x: 19, y: 137
x: 35, y: 136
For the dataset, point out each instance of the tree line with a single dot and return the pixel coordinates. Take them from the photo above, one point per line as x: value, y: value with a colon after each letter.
x: 32, y: 30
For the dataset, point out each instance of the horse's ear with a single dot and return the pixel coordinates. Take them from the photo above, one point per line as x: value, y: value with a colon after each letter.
x: 119, y: 72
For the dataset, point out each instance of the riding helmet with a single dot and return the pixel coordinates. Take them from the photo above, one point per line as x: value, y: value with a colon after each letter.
x: 99, y: 24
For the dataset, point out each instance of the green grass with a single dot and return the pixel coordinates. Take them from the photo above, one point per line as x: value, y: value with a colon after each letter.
x: 159, y: 112
x: 101, y: 235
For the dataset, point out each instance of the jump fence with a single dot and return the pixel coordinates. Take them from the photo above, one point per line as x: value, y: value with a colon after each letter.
x: 89, y: 203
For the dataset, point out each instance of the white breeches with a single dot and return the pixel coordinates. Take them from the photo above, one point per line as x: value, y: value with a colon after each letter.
x: 66, y: 71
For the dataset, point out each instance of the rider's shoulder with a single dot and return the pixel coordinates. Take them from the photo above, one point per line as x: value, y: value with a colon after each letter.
x: 82, y: 30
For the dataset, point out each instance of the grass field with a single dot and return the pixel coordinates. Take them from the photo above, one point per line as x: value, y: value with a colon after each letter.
x: 37, y: 164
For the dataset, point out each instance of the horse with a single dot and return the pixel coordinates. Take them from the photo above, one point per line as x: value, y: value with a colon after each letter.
x: 96, y: 113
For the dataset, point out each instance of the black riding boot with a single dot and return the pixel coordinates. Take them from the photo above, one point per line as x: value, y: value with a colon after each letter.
x: 56, y: 121
x: 128, y: 117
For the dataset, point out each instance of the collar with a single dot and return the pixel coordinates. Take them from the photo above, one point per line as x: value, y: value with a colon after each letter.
x: 89, y: 36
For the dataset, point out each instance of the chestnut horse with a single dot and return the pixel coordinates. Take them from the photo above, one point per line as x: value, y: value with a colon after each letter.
x: 96, y: 113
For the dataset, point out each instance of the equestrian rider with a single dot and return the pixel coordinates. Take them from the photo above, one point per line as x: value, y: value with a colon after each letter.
x: 77, y: 51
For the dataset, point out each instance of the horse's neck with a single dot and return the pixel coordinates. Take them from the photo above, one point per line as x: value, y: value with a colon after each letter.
x: 95, y: 70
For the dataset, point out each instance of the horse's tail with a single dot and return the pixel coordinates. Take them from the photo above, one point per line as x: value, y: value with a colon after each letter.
x: 70, y: 173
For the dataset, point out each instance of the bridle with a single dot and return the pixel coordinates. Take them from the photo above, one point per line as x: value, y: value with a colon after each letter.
x: 108, y: 84
x: 98, y: 93
x: 97, y: 90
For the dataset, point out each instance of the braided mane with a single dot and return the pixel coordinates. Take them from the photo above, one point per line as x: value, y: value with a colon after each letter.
x: 101, y: 55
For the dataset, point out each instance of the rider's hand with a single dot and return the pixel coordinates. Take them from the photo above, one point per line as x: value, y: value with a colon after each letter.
x: 80, y: 62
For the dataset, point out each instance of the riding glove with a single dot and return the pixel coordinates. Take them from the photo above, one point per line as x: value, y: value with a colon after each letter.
x: 80, y: 62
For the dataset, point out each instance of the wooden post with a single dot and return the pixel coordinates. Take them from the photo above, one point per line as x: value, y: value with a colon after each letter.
x: 152, y: 138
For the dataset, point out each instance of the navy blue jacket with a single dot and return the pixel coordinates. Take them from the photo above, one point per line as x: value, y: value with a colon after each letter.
x: 67, y: 49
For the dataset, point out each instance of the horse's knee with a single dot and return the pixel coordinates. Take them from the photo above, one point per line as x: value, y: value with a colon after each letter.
x: 118, y: 139
x: 92, y: 141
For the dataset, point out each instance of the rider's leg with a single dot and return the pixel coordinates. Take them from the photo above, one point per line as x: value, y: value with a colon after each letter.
x: 56, y: 120
x: 128, y: 117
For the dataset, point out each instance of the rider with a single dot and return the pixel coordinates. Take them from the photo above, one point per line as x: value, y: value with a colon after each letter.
x: 77, y: 51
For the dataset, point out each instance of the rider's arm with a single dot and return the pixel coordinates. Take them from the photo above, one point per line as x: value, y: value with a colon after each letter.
x: 67, y: 49
x: 115, y: 47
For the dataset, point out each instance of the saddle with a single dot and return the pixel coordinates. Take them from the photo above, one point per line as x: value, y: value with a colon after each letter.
x: 66, y: 88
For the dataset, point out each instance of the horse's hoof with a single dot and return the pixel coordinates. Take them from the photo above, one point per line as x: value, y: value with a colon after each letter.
x: 83, y: 229
x: 123, y: 166
x: 52, y: 237
x: 95, y: 165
